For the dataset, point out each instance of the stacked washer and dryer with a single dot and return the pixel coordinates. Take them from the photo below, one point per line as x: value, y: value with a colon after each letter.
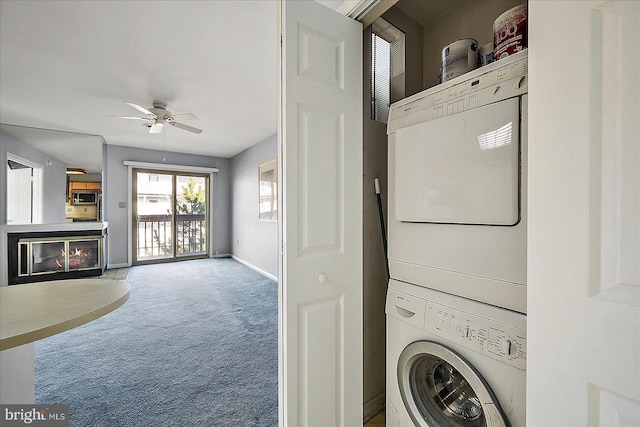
x: 456, y: 303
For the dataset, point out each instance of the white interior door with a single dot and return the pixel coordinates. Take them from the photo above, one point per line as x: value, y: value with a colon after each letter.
x: 584, y: 214
x: 24, y: 191
x: 320, y: 128
x: 19, y: 200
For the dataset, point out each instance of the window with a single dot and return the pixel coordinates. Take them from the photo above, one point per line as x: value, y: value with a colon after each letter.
x: 387, y: 68
x: 268, y: 177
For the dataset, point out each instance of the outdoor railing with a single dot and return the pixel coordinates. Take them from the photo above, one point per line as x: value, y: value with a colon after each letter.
x: 155, y: 234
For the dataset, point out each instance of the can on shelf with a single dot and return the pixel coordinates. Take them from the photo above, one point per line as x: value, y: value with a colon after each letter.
x: 510, y: 32
x: 459, y: 58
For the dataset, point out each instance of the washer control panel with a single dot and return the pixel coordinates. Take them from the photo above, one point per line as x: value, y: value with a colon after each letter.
x: 487, y: 336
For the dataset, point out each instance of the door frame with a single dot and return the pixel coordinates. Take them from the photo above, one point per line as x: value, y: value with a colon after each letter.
x: 131, y: 165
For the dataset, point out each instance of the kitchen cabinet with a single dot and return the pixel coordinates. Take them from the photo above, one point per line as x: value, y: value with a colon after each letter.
x: 78, y: 185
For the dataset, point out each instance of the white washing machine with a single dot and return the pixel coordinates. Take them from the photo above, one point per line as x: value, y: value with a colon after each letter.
x: 452, y: 361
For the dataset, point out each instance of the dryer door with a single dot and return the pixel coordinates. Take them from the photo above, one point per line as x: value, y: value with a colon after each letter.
x: 460, y: 169
x: 439, y: 388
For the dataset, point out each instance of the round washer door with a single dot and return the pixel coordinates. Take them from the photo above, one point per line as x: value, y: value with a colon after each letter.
x: 439, y: 388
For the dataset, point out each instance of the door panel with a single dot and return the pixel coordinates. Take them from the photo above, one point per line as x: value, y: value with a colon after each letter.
x: 321, y: 357
x: 153, y: 195
x: 321, y: 273
x: 191, y: 215
x: 320, y: 180
x: 584, y: 215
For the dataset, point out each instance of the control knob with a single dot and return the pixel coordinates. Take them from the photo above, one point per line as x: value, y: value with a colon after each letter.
x: 508, y: 347
x: 520, y: 82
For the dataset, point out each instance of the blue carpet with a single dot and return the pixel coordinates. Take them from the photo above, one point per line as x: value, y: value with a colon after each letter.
x: 195, y: 345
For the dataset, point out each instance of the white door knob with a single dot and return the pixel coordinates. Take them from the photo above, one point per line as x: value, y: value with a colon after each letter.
x: 322, y: 278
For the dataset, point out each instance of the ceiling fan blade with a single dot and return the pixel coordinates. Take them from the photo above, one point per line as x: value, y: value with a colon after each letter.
x: 184, y: 116
x: 142, y: 109
x: 155, y: 128
x: 130, y: 117
x: 186, y: 127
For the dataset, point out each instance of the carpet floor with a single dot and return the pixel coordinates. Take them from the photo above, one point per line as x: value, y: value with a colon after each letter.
x: 195, y: 345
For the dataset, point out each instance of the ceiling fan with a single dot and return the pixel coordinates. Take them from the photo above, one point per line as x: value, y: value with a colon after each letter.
x: 158, y: 116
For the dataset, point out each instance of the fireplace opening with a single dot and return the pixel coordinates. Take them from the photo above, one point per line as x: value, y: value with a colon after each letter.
x: 49, y: 257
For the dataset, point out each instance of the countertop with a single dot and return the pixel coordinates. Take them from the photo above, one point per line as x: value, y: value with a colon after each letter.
x: 59, y: 226
x: 38, y: 310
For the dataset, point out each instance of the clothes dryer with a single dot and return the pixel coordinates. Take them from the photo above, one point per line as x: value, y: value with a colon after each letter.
x: 457, y: 185
x: 452, y: 361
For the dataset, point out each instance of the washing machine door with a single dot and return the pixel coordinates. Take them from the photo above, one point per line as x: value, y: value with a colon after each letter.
x: 439, y: 388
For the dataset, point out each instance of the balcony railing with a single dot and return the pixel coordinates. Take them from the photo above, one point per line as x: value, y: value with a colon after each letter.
x: 155, y: 235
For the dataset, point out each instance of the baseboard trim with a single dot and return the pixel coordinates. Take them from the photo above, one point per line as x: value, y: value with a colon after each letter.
x: 253, y: 267
x: 119, y: 265
x: 373, y: 407
x: 221, y: 256
x: 125, y: 265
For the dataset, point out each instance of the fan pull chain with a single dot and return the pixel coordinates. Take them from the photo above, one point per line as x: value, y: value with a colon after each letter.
x: 164, y: 142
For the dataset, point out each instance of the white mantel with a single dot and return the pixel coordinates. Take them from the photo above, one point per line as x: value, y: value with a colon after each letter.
x: 37, y: 228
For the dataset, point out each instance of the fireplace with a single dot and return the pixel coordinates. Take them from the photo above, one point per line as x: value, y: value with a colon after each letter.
x: 40, y: 256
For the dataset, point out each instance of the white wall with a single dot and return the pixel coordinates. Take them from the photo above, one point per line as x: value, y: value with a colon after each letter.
x: 254, y: 242
x: 54, y: 178
x: 115, y: 191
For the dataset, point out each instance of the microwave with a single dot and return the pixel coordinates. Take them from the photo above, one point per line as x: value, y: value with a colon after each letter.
x: 84, y: 197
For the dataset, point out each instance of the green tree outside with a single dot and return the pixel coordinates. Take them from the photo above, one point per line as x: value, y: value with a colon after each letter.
x: 191, y: 232
x: 191, y: 229
x: 192, y: 199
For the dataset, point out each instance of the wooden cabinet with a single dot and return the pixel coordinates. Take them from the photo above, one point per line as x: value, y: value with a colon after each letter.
x: 77, y: 185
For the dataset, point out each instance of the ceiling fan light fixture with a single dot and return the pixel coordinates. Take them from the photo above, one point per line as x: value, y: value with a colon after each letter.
x: 159, y: 115
x: 75, y: 171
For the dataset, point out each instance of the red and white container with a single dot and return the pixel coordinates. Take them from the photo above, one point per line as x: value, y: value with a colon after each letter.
x: 510, y: 32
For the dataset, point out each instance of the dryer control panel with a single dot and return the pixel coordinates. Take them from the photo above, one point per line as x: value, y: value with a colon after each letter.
x: 490, y: 337
x: 500, y: 80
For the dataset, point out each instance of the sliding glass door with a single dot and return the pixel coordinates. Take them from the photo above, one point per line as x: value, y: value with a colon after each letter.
x: 170, y: 216
x: 191, y: 215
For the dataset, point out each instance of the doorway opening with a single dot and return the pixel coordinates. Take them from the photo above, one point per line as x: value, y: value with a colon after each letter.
x: 24, y: 191
x: 170, y: 216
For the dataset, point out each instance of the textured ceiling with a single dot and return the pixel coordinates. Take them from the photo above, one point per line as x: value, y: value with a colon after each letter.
x: 66, y: 65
